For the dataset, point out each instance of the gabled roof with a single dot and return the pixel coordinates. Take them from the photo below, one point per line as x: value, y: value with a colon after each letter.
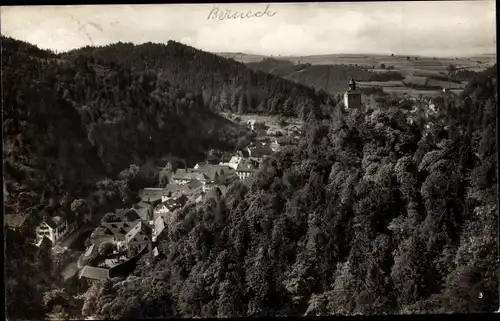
x: 172, y: 204
x: 94, y: 273
x: 193, y: 184
x: 50, y: 223
x: 159, y: 225
x: 120, y: 229
x: 174, y: 188
x: 90, y: 250
x: 142, y: 204
x: 190, y: 174
x: 151, y: 194
x: 246, y: 165
x: 139, y: 232
x: 142, y: 213
x: 44, y: 241
x: 15, y: 220
x: 130, y: 215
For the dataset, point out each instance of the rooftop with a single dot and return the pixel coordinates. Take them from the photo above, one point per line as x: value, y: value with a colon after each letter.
x: 15, y: 220
x: 150, y: 195
x: 189, y: 174
x: 94, y: 273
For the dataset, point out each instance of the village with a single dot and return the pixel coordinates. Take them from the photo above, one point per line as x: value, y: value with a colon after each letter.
x: 123, y: 236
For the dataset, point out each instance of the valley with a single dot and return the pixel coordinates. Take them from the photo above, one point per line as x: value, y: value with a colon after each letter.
x: 160, y: 180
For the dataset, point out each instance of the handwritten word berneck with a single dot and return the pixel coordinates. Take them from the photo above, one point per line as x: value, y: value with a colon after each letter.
x: 228, y: 14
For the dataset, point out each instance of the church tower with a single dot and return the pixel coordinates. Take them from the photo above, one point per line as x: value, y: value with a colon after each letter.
x: 352, y: 97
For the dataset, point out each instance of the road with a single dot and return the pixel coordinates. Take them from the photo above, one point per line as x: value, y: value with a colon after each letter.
x: 72, y: 247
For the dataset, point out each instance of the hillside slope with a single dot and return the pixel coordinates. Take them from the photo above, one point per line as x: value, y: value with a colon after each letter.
x: 368, y: 215
x: 70, y: 127
x: 226, y: 85
x: 334, y: 78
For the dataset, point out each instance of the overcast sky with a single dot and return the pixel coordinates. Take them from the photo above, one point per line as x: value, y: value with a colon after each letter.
x: 440, y: 28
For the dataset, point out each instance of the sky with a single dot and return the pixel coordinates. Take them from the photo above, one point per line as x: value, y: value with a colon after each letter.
x: 430, y: 28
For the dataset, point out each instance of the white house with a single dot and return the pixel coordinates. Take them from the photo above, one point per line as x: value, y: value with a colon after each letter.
x: 54, y: 228
x: 234, y: 162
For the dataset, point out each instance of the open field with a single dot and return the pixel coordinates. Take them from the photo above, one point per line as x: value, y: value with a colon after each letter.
x: 399, y: 62
x: 333, y: 72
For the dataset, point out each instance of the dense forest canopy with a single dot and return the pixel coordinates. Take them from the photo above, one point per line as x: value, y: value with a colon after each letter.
x: 72, y: 130
x: 226, y: 85
x: 370, y: 214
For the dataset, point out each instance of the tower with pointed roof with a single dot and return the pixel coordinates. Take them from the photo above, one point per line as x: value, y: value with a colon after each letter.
x: 352, y: 97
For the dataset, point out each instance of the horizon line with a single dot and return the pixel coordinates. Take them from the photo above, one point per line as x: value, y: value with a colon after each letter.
x: 58, y: 51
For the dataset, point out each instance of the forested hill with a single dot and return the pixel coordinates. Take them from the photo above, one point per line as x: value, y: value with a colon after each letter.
x: 68, y: 123
x: 368, y: 215
x: 226, y: 85
x: 73, y: 128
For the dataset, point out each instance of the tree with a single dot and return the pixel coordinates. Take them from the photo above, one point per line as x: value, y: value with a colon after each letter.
x: 242, y: 104
x: 130, y: 174
x: 79, y: 207
x: 382, y: 66
x: 105, y: 249
x: 111, y: 217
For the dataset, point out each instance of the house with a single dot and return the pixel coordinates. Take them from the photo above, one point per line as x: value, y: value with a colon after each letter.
x: 245, y: 169
x: 233, y: 162
x: 216, y: 174
x: 57, y: 227
x: 214, y: 191
x: 137, y: 238
x: 183, y: 176
x: 174, y: 191
x: 44, y: 242
x: 142, y: 204
x: 259, y: 150
x: 16, y: 222
x: 150, y: 195
x: 95, y: 273
x: 101, y: 235
x: 129, y: 236
x: 169, y: 206
x: 158, y: 227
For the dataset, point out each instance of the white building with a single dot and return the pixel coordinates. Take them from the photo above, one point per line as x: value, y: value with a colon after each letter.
x: 54, y: 228
x: 234, y: 162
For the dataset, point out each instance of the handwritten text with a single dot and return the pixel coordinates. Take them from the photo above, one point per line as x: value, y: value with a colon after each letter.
x: 216, y: 13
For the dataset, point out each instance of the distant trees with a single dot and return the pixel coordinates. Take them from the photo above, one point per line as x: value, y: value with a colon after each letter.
x: 382, y: 66
x: 386, y: 76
